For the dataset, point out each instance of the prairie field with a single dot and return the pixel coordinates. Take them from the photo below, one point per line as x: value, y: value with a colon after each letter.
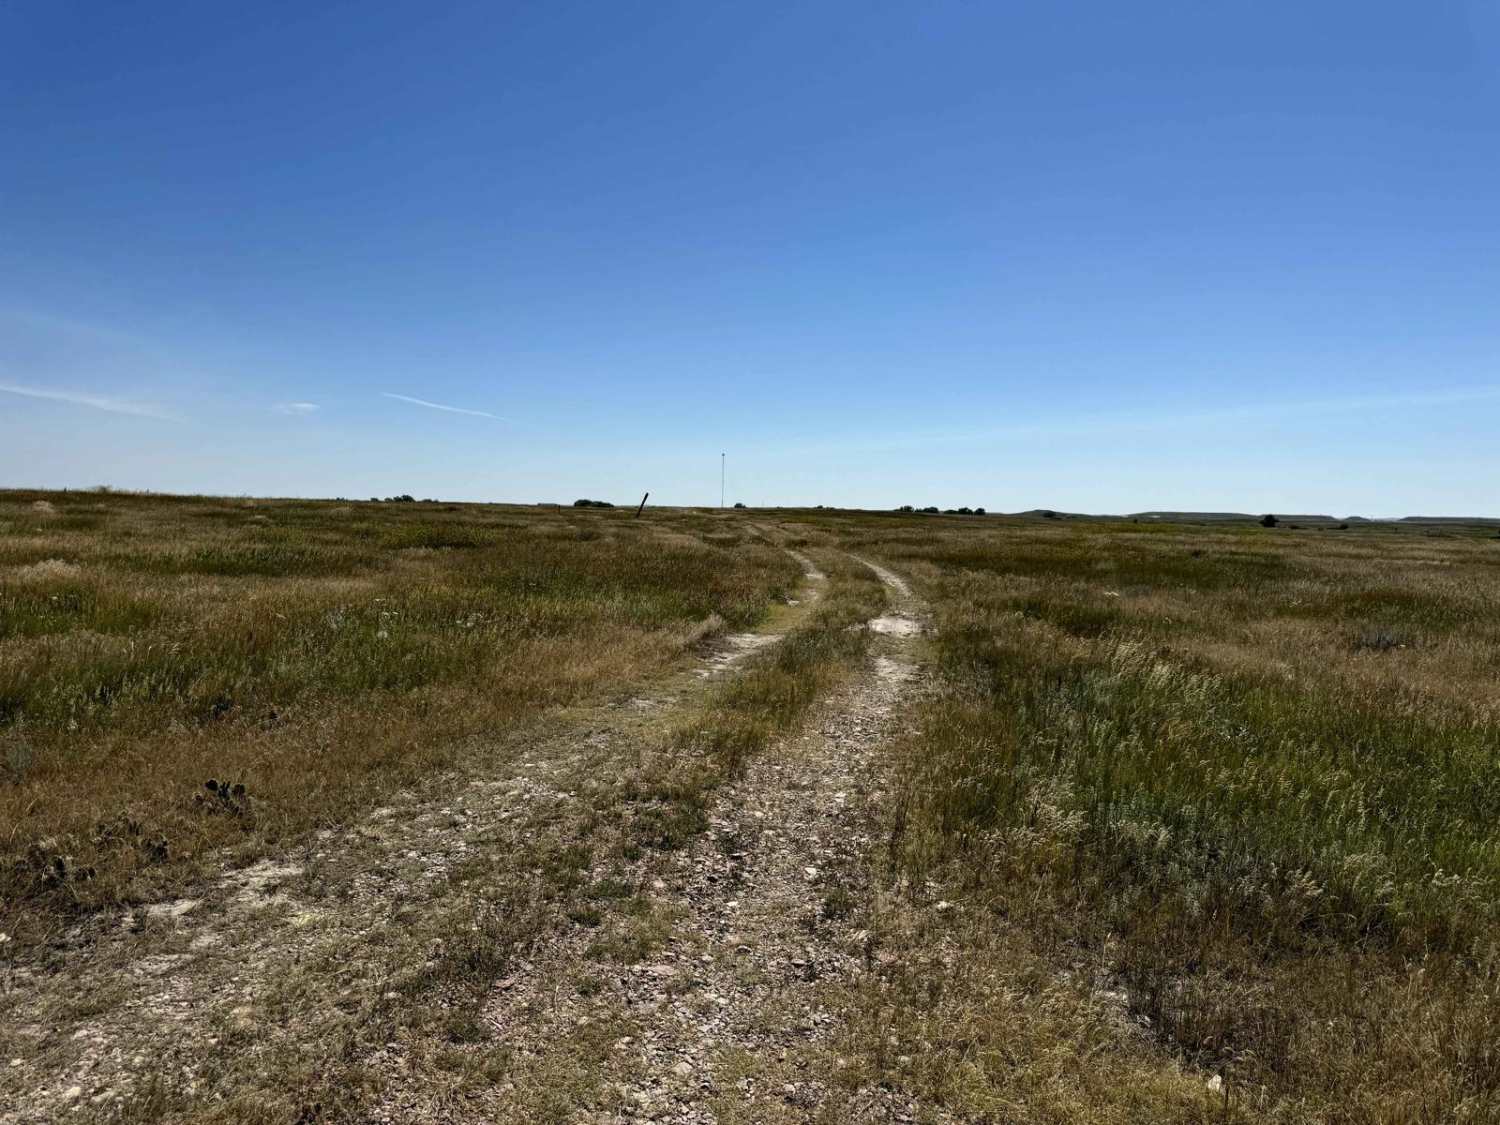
x: 1241, y: 783
x: 1145, y: 821
x: 317, y: 654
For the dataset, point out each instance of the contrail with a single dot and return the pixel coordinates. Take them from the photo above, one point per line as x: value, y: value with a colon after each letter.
x: 440, y: 406
x: 98, y: 402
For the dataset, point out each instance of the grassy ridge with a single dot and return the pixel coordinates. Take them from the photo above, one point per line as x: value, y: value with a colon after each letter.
x: 315, y: 653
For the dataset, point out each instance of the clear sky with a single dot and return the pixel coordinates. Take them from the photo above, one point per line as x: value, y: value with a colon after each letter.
x: 1084, y: 255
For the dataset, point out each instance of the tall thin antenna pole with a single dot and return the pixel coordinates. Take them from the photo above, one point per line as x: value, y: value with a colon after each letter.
x: 721, y: 480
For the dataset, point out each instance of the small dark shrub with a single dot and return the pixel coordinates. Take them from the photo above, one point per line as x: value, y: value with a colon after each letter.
x: 1379, y: 640
x: 223, y: 798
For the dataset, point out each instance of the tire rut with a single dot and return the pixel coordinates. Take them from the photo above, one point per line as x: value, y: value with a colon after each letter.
x: 152, y: 998
x: 732, y: 1019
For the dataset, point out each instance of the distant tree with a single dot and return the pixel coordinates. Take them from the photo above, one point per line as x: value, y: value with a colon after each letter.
x: 592, y: 504
x: 1268, y: 520
x: 906, y: 508
x: 930, y: 511
x: 979, y: 511
x: 966, y: 511
x: 739, y: 503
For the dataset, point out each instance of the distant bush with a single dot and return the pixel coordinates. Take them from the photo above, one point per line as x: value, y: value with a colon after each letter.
x: 930, y: 511
x: 1268, y: 520
x: 906, y: 508
x: 1379, y: 640
x: 739, y: 503
x: 592, y: 504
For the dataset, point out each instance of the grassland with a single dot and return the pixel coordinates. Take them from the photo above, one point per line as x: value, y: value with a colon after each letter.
x: 310, y: 658
x: 1240, y: 784
x: 1194, y: 823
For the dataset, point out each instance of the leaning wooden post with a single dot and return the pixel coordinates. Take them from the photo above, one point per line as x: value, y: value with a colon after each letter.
x: 642, y: 507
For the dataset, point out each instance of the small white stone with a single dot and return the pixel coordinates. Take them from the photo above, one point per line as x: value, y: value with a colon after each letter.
x: 72, y: 1093
x: 1215, y: 1084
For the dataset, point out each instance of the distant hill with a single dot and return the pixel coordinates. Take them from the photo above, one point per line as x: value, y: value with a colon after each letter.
x: 1486, y: 521
x: 1284, y: 519
x: 1227, y: 517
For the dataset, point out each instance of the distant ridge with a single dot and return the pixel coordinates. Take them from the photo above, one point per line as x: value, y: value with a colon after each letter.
x: 1283, y: 518
x: 1486, y: 520
x: 1186, y: 517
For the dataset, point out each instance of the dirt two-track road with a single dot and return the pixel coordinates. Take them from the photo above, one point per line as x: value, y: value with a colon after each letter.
x: 729, y: 1010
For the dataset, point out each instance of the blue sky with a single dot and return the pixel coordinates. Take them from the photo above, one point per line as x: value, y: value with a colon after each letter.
x: 1091, y: 256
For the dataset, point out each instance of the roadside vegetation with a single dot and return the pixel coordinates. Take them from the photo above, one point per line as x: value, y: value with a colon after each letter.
x: 1232, y: 793
x: 182, y: 676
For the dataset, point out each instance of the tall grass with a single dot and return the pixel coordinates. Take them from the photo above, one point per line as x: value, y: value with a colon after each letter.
x: 318, y: 654
x: 1179, y: 764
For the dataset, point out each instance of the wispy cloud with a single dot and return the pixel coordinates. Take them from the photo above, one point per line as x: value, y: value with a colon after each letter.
x: 298, y: 408
x: 97, y: 402
x: 440, y: 406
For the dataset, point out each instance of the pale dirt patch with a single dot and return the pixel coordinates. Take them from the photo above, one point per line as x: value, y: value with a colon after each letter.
x: 896, y: 626
x: 733, y: 650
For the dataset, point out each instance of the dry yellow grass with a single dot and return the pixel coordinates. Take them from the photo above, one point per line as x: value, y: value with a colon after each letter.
x: 1215, y: 809
x: 1196, y: 824
x: 319, y: 655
